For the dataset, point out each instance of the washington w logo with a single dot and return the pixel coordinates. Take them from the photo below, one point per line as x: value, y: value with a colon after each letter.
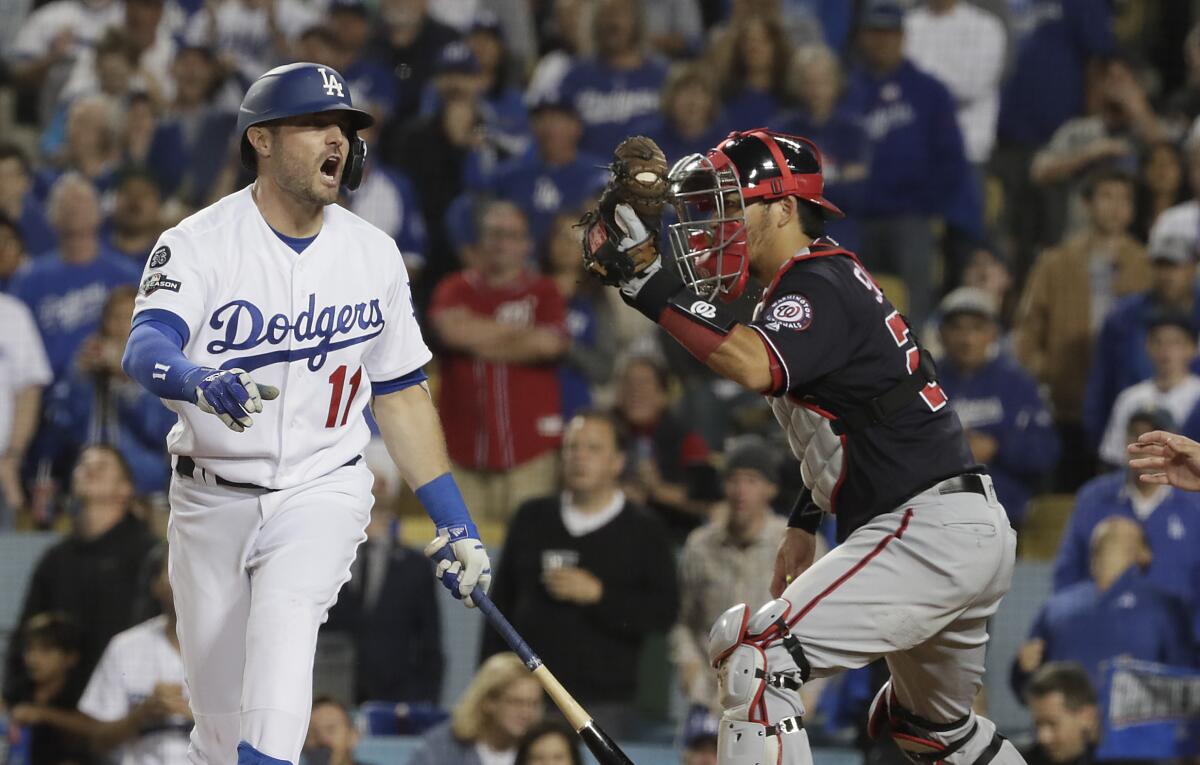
x: 331, y: 83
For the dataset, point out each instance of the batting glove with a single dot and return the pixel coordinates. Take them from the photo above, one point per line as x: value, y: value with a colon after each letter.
x: 471, y: 567
x: 232, y: 396
x: 634, y: 235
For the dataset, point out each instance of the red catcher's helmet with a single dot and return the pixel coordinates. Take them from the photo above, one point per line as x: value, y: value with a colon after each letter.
x: 756, y: 165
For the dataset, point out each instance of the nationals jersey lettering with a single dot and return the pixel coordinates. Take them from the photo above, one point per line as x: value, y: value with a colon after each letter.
x: 322, y: 326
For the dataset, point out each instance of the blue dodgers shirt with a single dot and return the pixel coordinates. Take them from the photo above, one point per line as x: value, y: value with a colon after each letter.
x: 1134, y: 618
x: 1001, y: 400
x: 543, y: 191
x: 611, y: 101
x: 66, y: 299
x: 1172, y: 532
x: 917, y: 162
x: 1055, y: 39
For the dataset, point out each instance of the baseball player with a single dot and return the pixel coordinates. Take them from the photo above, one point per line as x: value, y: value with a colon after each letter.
x: 276, y: 308
x: 926, y: 550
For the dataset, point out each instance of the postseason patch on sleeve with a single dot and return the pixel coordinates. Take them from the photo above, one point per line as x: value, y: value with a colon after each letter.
x: 790, y: 311
x: 160, y: 256
x: 155, y: 282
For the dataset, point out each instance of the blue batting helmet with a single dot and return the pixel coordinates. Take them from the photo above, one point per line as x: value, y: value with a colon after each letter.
x: 303, y: 88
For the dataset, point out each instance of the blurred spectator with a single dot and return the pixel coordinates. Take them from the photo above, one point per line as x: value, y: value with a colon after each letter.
x: 95, y: 402
x: 1056, y: 40
x: 963, y: 46
x: 1169, y: 517
x: 387, y: 199
x: 94, y: 575
x: 67, y: 289
x: 553, y: 176
x: 1066, y: 718
x: 700, y: 738
x: 1119, y: 612
x: 1007, y: 424
x: 13, y: 259
x: 136, y: 698
x: 587, y: 575
x: 751, y: 62
x: 549, y: 743
x: 137, y: 217
x: 689, y: 121
x: 250, y: 36
x: 332, y: 736
x: 618, y: 86
x: 987, y: 269
x: 435, y: 152
x: 1119, y: 125
x: 389, y: 607
x: 1183, y: 106
x: 146, y: 30
x: 502, y: 703
x: 92, y: 147
x: 411, y: 42
x: 24, y: 374
x: 1121, y: 359
x: 508, y: 120
x: 590, y: 318
x: 50, y: 658
x: 917, y: 163
x: 845, y: 151
x: 18, y: 202
x: 1055, y: 328
x: 565, y: 36
x: 1160, y: 184
x: 674, y: 28
x: 503, y: 329
x: 666, y: 461
x: 137, y: 135
x: 372, y: 83
x: 1171, y: 346
x: 726, y: 561
x: 192, y: 139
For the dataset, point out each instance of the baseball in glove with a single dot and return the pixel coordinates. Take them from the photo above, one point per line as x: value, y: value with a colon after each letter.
x: 621, y: 233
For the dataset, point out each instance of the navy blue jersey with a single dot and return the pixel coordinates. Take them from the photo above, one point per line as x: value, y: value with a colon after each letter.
x: 840, y: 344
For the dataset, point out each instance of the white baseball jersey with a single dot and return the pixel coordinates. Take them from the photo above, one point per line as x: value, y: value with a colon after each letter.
x: 134, y: 662
x: 322, y: 326
x: 22, y: 360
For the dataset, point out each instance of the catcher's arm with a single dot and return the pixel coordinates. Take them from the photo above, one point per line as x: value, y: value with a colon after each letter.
x: 620, y: 247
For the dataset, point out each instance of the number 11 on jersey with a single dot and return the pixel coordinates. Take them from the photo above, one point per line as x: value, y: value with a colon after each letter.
x: 338, y: 380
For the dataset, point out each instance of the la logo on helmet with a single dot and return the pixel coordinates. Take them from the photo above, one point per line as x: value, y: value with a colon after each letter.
x: 331, y: 83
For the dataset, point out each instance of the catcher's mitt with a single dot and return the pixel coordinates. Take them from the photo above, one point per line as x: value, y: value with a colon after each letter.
x: 621, y: 233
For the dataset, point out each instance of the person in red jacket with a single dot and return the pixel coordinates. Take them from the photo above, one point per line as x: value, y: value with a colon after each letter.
x: 503, y: 328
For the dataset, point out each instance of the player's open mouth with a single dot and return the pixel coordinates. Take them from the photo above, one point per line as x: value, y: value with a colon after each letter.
x: 329, y: 168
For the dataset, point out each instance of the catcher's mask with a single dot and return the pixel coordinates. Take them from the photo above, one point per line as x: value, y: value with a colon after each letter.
x: 710, y: 192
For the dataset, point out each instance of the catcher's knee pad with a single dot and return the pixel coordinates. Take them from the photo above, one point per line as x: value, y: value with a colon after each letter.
x: 969, y: 740
x: 760, y: 665
x: 740, y: 742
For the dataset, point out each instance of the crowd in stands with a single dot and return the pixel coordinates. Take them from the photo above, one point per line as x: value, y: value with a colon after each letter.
x: 1021, y: 176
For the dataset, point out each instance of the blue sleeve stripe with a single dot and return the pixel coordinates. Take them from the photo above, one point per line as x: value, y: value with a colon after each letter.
x: 415, y: 377
x: 166, y: 317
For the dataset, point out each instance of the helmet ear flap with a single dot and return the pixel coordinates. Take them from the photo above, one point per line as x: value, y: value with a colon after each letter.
x: 353, y: 171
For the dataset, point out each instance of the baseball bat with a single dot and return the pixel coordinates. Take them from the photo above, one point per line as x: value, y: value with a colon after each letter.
x: 603, y: 748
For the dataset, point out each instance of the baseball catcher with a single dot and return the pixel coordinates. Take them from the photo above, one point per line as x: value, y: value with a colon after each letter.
x: 926, y: 550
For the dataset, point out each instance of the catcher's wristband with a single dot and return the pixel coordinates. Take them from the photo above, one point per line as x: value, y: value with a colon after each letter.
x: 806, y: 516
x: 697, y: 324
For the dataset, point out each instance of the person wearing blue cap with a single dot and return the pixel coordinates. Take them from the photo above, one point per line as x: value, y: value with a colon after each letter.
x: 372, y: 82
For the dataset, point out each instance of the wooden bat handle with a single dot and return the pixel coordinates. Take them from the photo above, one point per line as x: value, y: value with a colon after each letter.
x: 576, y: 715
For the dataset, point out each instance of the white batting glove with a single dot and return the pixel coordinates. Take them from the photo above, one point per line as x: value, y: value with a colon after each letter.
x: 233, y: 396
x: 470, y: 568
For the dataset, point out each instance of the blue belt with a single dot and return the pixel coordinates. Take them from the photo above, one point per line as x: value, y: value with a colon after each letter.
x: 186, y: 467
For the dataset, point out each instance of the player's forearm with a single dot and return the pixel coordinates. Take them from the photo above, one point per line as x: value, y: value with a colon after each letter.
x: 412, y: 432
x: 154, y: 358
x: 27, y: 406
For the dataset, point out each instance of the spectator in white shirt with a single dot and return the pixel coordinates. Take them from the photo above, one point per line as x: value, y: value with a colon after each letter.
x: 24, y: 372
x: 136, y: 697
x: 1171, y: 346
x: 963, y: 46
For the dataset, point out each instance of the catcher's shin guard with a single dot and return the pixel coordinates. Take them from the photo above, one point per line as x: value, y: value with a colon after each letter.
x: 760, y: 668
x: 970, y: 740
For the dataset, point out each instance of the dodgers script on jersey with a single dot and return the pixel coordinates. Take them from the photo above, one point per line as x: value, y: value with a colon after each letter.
x: 350, y: 322
x: 841, y: 342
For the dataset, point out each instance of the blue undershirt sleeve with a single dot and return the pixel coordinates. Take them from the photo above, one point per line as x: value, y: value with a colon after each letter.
x: 154, y: 357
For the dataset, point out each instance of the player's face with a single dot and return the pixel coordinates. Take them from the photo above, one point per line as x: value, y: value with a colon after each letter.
x: 308, y: 154
x: 1062, y: 732
x: 968, y: 339
x: 550, y: 749
x: 591, y: 460
x: 517, y: 707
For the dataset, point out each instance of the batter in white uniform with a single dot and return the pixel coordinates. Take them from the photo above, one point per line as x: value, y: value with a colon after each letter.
x: 268, y: 321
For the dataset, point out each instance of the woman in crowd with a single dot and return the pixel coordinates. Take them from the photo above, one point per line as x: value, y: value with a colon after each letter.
x: 549, y: 743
